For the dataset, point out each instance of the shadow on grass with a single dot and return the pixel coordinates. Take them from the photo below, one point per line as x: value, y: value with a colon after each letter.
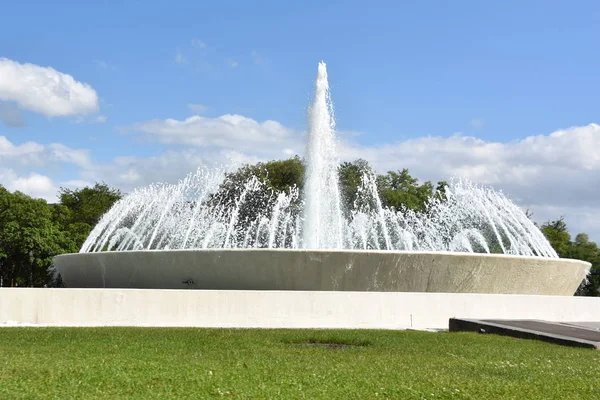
x: 331, y: 342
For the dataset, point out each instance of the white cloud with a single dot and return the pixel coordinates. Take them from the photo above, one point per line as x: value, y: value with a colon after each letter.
x: 33, y: 184
x: 197, y: 108
x: 62, y: 153
x: 553, y: 175
x: 45, y: 90
x: 130, y: 172
x: 579, y: 218
x: 230, y: 132
x: 32, y: 154
x: 232, y: 63
x: 532, y: 170
x: 26, y: 154
x: 100, y: 119
x: 198, y: 44
x: 543, y: 162
x: 76, y: 183
x: 18, y: 165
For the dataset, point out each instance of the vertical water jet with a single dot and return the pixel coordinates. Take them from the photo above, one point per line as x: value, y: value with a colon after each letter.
x: 322, y: 214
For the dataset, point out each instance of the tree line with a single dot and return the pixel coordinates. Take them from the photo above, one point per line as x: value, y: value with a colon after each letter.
x: 33, y: 231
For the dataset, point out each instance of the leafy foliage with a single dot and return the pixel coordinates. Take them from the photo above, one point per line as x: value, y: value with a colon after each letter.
x: 557, y: 234
x: 32, y: 231
x: 397, y: 189
x: 580, y: 249
x: 350, y: 176
x: 274, y: 176
x: 80, y: 210
x: 29, y: 238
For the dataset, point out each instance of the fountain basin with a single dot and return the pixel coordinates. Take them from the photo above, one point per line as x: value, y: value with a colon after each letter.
x: 323, y: 270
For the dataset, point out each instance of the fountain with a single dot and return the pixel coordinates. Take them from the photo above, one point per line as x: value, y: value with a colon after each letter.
x: 207, y: 233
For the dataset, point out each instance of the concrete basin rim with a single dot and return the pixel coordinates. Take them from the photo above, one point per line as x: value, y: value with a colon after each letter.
x: 322, y: 293
x: 324, y: 251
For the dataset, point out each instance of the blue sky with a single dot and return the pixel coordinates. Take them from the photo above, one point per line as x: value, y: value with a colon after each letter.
x: 499, y: 72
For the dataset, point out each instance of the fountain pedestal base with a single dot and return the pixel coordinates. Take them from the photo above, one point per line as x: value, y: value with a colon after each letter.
x: 278, y: 309
x: 323, y: 270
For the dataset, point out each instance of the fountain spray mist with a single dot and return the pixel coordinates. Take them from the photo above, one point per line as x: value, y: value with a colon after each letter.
x: 200, y: 212
x: 322, y: 217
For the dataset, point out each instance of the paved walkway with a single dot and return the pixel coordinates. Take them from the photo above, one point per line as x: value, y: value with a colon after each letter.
x: 580, y: 334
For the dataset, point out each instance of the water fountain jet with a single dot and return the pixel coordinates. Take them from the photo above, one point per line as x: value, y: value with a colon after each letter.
x: 168, y: 235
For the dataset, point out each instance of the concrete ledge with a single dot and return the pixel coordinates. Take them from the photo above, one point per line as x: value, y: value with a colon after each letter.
x: 278, y: 309
x: 323, y: 270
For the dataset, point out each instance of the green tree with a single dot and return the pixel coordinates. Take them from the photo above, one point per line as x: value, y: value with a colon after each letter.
x: 584, y: 249
x: 440, y: 189
x: 29, y: 238
x: 275, y: 176
x: 396, y: 189
x: 580, y: 249
x: 558, y: 235
x: 350, y: 176
x: 279, y: 175
x: 400, y: 190
x: 80, y: 210
x: 282, y: 175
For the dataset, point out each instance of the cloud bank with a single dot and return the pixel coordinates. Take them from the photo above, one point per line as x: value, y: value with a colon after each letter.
x: 553, y: 175
x: 45, y: 90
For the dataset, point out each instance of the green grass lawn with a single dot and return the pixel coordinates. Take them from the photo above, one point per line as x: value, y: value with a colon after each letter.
x: 145, y: 363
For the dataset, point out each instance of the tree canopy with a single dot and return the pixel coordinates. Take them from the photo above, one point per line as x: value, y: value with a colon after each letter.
x: 397, y: 189
x: 80, y: 210
x: 32, y: 231
x: 580, y: 249
x: 29, y: 238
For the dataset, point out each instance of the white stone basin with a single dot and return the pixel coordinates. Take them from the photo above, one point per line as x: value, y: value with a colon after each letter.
x: 322, y: 270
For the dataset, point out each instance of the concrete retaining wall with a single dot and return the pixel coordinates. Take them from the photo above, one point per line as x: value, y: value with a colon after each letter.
x: 278, y: 309
x: 316, y: 270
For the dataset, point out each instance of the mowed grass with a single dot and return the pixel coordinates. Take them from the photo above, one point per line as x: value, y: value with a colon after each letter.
x: 148, y: 363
